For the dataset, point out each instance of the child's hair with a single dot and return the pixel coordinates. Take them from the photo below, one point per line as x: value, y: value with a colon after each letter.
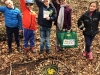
x: 61, y: 0
x: 97, y: 4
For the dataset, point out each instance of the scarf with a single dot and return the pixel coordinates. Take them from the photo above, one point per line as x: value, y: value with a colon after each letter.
x: 60, y: 19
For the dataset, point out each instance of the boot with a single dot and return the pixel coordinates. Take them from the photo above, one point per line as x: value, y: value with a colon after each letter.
x: 90, y: 56
x: 84, y: 54
x: 48, y: 51
x: 25, y: 50
x: 19, y: 49
x: 57, y: 48
x: 10, y: 51
x: 41, y: 51
x: 32, y: 50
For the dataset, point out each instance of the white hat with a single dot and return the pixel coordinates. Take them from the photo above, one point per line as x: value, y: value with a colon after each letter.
x: 29, y: 1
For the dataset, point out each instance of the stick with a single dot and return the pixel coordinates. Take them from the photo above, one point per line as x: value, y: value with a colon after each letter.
x: 97, y: 67
x: 10, y: 68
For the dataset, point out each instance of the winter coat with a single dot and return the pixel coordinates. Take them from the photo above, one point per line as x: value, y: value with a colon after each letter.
x: 29, y: 17
x: 12, y: 17
x: 67, y: 14
x: 42, y: 21
x: 90, y: 23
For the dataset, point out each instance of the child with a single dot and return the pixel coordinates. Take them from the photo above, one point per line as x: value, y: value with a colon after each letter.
x: 90, y: 19
x: 12, y: 22
x: 29, y: 24
x: 63, y: 21
x: 45, y: 17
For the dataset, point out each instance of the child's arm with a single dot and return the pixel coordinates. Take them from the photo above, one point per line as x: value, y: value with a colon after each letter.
x: 2, y: 9
x: 69, y: 18
x: 20, y: 20
x: 53, y: 17
x: 22, y: 5
x: 80, y: 21
x: 55, y: 3
x: 39, y: 3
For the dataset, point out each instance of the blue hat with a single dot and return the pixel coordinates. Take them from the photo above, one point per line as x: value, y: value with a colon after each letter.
x: 29, y: 1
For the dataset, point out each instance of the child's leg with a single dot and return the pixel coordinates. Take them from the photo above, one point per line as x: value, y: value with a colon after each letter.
x: 16, y: 34
x: 88, y: 42
x: 47, y: 38
x: 32, y: 41
x: 32, y: 38
x: 26, y: 39
x: 42, y: 39
x: 9, y: 36
x: 17, y: 39
x: 57, y: 31
x: 57, y: 41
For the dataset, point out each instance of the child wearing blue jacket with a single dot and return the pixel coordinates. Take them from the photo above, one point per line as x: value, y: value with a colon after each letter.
x: 13, y: 23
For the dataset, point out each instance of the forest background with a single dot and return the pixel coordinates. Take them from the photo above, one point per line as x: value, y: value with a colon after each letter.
x: 70, y: 60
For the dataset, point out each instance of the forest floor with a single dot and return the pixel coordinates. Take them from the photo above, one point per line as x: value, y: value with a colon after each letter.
x: 67, y: 62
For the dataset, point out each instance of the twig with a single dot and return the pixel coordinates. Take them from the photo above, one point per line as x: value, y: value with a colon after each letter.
x: 10, y: 68
x: 97, y: 67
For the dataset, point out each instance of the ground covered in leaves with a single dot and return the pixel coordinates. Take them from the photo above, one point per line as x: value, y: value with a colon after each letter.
x: 70, y: 61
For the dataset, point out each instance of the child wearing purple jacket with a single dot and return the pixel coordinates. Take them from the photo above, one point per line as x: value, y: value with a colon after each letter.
x: 63, y: 20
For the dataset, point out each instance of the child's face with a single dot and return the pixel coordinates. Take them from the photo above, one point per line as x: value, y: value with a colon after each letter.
x: 92, y: 7
x: 9, y: 4
x: 29, y: 5
x: 62, y: 2
x: 46, y: 2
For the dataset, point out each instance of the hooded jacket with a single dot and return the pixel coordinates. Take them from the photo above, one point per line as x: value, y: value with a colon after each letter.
x: 42, y: 21
x: 29, y: 17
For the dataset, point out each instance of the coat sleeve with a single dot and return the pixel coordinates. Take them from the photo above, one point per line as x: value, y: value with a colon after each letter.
x: 22, y: 5
x: 39, y: 3
x: 20, y: 20
x: 53, y: 17
x: 2, y: 9
x: 79, y: 23
x: 69, y: 18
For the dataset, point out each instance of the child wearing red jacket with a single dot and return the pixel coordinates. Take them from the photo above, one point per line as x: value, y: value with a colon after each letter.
x: 29, y: 23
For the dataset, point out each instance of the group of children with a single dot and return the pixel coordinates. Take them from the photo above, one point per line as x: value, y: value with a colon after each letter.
x: 49, y: 11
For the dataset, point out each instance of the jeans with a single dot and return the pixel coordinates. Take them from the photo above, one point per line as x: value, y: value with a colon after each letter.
x: 44, y: 37
x: 88, y: 42
x: 28, y: 37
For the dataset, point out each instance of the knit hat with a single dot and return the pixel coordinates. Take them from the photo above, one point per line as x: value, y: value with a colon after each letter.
x: 29, y: 1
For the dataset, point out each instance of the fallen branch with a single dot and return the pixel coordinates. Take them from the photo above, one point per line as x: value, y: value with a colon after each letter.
x: 10, y: 69
x: 97, y: 67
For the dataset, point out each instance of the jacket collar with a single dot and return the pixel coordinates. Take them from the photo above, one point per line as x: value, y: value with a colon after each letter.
x: 50, y: 5
x: 10, y: 8
x: 88, y: 13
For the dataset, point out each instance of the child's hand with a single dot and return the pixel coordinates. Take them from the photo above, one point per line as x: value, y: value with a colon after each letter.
x: 47, y: 18
x: 20, y: 31
x: 83, y: 29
